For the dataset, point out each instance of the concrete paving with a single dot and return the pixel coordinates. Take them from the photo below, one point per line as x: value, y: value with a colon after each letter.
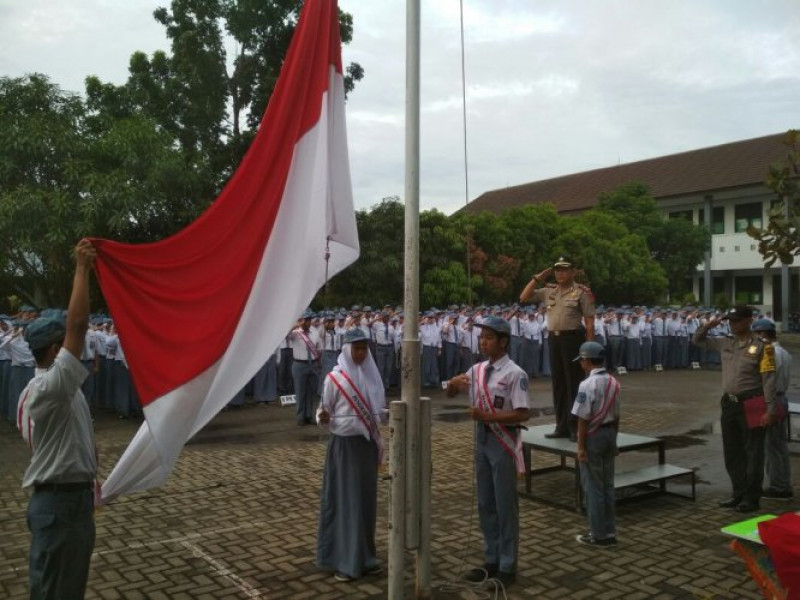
x: 237, y: 519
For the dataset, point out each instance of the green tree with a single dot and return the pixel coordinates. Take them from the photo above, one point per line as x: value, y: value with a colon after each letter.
x: 676, y: 245
x: 211, y: 110
x: 780, y: 240
x: 616, y: 263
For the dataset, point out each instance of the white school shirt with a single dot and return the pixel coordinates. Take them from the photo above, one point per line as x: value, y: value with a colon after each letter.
x: 592, y: 397
x: 344, y: 421
x: 508, y: 385
x: 299, y: 349
x: 383, y: 333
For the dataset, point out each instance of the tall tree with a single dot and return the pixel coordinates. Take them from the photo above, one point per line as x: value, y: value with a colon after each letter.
x: 780, y: 239
x: 211, y: 91
x: 677, y: 246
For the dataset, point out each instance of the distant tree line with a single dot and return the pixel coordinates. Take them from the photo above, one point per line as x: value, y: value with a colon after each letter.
x: 628, y: 252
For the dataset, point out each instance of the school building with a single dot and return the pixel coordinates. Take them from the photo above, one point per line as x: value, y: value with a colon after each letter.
x: 725, y: 182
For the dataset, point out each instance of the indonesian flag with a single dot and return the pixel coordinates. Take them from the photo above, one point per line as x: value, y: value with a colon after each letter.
x: 199, y: 313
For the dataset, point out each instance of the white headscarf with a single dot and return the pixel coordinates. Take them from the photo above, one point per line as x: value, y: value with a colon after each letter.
x: 366, y: 376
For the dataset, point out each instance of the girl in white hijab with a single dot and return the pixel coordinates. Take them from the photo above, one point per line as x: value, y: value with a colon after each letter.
x: 352, y: 408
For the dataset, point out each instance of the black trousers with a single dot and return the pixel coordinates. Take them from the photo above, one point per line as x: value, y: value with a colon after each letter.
x: 743, y: 450
x: 567, y: 376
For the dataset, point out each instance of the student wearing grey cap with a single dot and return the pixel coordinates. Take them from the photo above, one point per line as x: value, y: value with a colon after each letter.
x: 597, y: 410
x: 498, y: 391
x: 353, y: 407
x: 54, y: 420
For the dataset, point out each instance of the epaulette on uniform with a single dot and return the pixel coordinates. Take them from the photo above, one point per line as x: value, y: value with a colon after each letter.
x: 586, y: 291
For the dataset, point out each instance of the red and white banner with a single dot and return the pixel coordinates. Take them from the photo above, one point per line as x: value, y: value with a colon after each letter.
x: 199, y: 313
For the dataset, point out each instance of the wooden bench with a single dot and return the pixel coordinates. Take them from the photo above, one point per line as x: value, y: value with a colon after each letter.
x: 644, y: 481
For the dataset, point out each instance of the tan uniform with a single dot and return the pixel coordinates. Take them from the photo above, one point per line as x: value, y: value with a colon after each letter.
x: 565, y: 309
x: 747, y: 366
x: 748, y: 370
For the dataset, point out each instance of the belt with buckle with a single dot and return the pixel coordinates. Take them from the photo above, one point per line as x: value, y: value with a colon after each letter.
x: 63, y: 487
x: 735, y: 398
x: 565, y: 332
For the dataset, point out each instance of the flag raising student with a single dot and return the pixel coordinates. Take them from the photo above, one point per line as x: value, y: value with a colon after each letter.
x: 498, y: 391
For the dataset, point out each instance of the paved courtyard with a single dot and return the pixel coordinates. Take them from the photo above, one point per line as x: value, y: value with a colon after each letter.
x: 237, y: 519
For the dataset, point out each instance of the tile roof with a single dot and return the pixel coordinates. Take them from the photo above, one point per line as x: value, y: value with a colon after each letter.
x: 729, y: 165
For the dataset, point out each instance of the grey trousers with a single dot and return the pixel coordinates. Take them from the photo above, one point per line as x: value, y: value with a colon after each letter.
x: 306, y: 382
x: 597, y: 479
x: 777, y: 453
x: 498, y: 503
x: 62, y: 539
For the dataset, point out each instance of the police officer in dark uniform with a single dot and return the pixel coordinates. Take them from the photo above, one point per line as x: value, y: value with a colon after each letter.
x: 566, y: 302
x: 748, y: 372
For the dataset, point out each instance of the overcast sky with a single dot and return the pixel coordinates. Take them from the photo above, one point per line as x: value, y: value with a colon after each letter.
x: 553, y: 87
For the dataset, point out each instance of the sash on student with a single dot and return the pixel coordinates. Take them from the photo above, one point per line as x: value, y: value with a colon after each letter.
x: 598, y: 419
x: 361, y: 408
x: 312, y: 348
x: 511, y: 443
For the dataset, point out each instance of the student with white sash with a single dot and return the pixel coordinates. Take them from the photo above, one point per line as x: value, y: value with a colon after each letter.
x: 498, y: 391
x: 306, y: 354
x: 352, y: 408
x: 597, y: 409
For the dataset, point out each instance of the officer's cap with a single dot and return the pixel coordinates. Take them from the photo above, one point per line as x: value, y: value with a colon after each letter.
x: 355, y: 307
x: 591, y: 350
x: 329, y: 316
x: 738, y: 312
x: 44, y: 331
x: 762, y: 325
x: 367, y: 309
x: 355, y: 335
x: 496, y: 324
x: 563, y: 261
x: 308, y: 314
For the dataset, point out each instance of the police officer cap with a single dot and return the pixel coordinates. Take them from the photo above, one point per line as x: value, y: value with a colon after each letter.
x: 496, y: 324
x: 762, y: 325
x: 329, y: 316
x: 563, y: 261
x: 590, y: 350
x: 44, y: 331
x: 355, y: 307
x: 307, y: 314
x: 740, y: 311
x: 367, y: 309
x: 355, y: 335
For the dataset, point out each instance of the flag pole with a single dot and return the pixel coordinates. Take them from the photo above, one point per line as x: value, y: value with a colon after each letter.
x: 411, y: 343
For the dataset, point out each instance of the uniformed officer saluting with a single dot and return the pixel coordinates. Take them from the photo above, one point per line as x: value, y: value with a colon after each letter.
x: 748, y: 371
x: 567, y: 303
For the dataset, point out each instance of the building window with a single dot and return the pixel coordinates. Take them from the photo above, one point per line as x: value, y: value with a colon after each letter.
x: 736, y: 248
x: 722, y: 248
x: 717, y: 219
x: 749, y: 290
x: 747, y: 215
x: 681, y: 214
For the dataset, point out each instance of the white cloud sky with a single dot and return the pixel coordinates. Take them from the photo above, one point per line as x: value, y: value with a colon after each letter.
x: 553, y: 87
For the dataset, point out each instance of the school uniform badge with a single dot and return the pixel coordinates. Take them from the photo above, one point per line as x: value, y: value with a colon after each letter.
x: 499, y: 401
x: 523, y: 383
x: 581, y: 397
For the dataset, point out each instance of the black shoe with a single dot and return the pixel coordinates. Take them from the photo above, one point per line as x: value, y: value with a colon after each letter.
x: 589, y: 540
x: 556, y: 434
x: 507, y: 579
x: 729, y: 503
x: 773, y: 494
x: 482, y: 574
x: 375, y: 569
x: 746, y: 507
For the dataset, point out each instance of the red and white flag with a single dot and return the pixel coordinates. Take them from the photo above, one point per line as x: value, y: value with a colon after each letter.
x: 199, y: 313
